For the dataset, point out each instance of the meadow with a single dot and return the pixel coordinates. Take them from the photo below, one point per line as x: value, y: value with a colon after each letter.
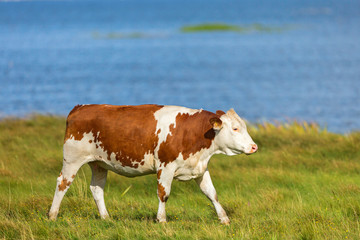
x: 303, y: 183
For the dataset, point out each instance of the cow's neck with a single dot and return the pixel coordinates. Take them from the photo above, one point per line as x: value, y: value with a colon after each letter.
x: 206, y: 154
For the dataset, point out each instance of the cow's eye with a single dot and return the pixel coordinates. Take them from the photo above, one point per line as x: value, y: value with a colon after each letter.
x: 235, y: 129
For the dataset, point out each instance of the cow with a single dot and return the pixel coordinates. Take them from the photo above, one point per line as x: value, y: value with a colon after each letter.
x: 172, y: 141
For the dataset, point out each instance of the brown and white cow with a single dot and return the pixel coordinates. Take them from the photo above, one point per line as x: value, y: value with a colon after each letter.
x: 173, y: 142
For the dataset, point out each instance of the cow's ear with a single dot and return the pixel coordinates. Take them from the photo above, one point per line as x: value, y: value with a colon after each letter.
x: 220, y: 113
x: 231, y: 112
x: 216, y: 123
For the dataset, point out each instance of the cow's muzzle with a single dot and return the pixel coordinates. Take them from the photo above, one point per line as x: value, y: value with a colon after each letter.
x: 254, y: 148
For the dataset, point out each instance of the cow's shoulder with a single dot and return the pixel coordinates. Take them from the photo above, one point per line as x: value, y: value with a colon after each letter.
x: 189, y: 132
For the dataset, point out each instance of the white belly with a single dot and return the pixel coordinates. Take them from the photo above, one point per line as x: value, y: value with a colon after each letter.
x: 125, y: 170
x: 191, y: 168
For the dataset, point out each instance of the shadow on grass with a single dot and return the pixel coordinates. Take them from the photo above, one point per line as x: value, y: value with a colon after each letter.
x: 139, y: 216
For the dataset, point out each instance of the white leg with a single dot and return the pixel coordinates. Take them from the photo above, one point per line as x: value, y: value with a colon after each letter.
x: 64, y: 180
x: 208, y: 189
x: 165, y: 177
x: 97, y: 185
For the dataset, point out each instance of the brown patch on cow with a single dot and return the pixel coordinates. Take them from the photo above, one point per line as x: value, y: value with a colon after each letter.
x: 64, y: 184
x: 142, y: 163
x: 158, y: 131
x: 76, y: 108
x: 90, y: 141
x: 192, y: 133
x: 73, y: 176
x: 60, y: 174
x: 159, y: 174
x: 162, y: 193
x: 129, y: 129
x: 210, y: 134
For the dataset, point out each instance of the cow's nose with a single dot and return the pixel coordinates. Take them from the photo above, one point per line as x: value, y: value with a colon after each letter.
x: 254, y: 148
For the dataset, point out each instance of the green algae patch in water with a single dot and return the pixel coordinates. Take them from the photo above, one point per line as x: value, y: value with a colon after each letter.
x: 223, y: 27
x: 211, y: 27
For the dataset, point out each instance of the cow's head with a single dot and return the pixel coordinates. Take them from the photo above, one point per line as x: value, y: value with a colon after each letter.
x: 232, y: 136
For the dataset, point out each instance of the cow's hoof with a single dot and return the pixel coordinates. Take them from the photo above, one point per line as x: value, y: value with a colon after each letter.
x: 52, y: 216
x: 161, y: 220
x: 225, y: 221
x: 105, y: 217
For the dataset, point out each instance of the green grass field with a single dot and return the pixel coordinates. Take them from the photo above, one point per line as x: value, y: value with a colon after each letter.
x: 304, y: 183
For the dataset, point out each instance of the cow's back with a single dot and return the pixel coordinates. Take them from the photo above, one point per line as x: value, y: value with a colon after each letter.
x: 126, y: 133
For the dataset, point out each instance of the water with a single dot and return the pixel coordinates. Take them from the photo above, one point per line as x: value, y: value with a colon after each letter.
x: 56, y: 54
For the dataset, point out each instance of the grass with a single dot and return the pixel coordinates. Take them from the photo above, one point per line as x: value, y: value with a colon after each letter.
x: 223, y: 27
x: 304, y: 183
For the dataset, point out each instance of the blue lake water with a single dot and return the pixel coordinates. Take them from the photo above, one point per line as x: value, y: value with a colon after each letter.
x: 56, y: 54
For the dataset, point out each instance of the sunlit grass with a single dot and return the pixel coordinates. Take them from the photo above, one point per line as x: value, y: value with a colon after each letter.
x: 302, y: 184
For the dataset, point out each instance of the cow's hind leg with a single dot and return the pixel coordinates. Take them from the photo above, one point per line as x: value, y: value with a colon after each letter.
x: 97, y: 185
x: 64, y: 180
x: 208, y: 189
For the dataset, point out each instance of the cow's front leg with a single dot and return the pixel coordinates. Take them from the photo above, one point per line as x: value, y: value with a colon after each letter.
x: 164, y: 180
x: 208, y: 189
